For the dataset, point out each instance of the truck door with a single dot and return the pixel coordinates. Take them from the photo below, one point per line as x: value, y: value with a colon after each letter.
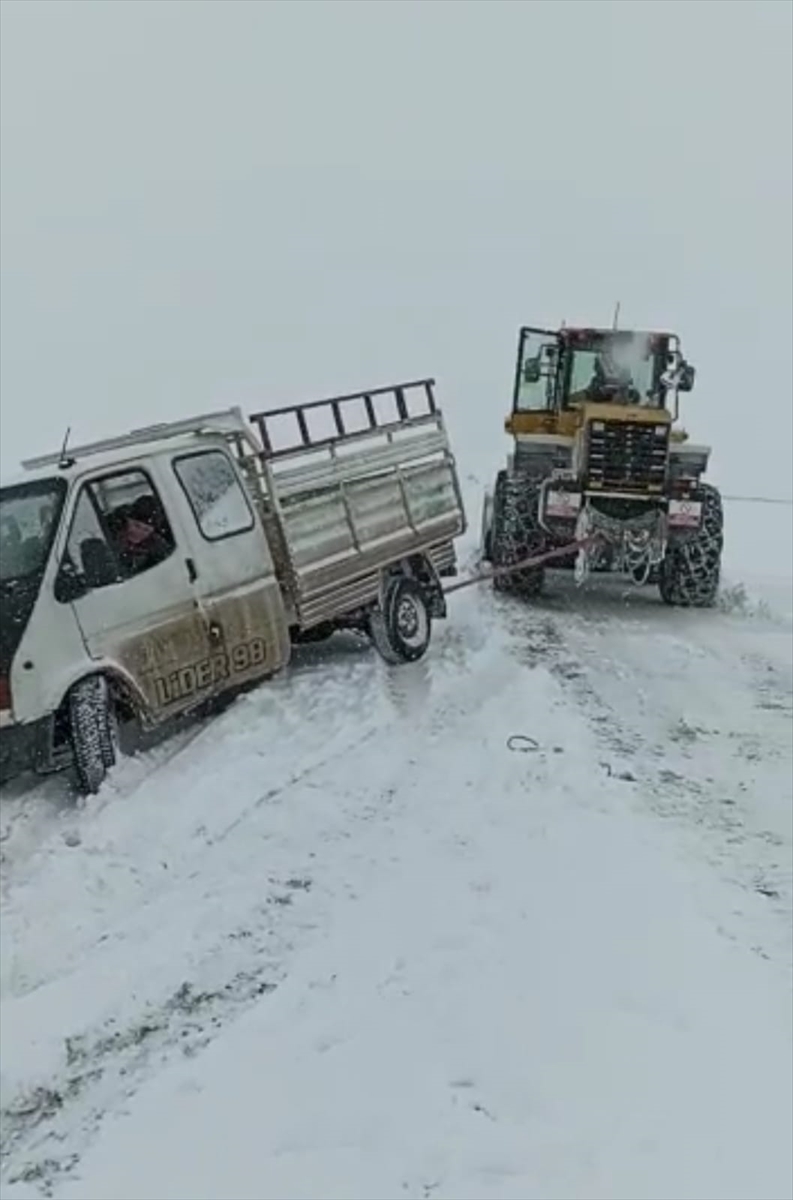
x: 235, y: 578
x: 137, y: 610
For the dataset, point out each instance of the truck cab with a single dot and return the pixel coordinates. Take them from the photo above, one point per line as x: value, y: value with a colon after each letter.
x: 150, y: 568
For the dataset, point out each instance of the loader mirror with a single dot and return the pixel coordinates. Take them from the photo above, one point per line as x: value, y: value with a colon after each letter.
x: 531, y: 370
x: 687, y: 375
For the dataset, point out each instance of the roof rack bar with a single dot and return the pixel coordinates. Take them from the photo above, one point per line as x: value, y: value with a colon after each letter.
x: 228, y: 420
x: 357, y: 435
x: 332, y: 405
x: 375, y: 422
x: 427, y: 384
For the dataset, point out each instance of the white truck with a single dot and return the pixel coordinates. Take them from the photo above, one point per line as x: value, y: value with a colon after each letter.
x: 145, y: 575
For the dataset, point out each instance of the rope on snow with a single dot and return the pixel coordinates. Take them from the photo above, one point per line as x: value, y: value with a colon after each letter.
x: 523, y: 743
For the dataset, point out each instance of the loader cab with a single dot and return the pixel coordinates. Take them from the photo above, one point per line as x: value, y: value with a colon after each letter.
x: 559, y: 371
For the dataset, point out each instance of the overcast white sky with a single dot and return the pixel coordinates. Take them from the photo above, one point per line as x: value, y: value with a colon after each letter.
x: 205, y: 201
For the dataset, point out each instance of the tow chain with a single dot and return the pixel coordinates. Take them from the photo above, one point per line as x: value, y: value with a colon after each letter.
x: 536, y: 560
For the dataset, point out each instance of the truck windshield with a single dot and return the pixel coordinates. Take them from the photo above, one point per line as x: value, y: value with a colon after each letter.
x: 614, y: 369
x: 29, y: 515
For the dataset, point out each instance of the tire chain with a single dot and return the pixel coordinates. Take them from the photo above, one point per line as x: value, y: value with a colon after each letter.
x: 690, y: 573
x: 517, y: 533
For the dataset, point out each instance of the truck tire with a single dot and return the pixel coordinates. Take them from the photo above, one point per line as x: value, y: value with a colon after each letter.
x: 517, y: 534
x: 401, y: 627
x: 93, y: 733
x: 691, y: 569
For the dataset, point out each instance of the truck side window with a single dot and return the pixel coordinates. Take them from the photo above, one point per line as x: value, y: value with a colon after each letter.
x: 119, y: 529
x: 87, y: 549
x: 215, y: 495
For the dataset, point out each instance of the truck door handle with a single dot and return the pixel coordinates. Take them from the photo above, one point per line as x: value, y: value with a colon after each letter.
x: 192, y: 574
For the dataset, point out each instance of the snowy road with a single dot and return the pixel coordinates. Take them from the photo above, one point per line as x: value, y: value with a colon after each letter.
x: 344, y: 942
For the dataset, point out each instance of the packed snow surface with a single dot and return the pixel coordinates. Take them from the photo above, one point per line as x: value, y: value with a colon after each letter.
x: 514, y: 922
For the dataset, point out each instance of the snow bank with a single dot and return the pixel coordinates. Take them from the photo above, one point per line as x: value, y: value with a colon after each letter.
x: 344, y: 942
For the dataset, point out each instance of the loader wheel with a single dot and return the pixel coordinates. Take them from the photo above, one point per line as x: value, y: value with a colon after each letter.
x: 517, y: 534
x: 690, y: 572
x: 400, y: 629
x: 93, y: 732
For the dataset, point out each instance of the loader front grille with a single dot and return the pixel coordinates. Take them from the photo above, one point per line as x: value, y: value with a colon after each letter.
x: 627, y: 456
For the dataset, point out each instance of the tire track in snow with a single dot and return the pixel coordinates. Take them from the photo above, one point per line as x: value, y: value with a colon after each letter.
x: 104, y: 1062
x: 648, y: 679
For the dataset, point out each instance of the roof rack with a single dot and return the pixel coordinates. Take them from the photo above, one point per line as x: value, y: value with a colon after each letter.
x: 228, y: 421
x: 334, y: 410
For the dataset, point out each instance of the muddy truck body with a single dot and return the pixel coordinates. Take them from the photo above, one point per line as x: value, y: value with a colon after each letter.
x: 144, y: 576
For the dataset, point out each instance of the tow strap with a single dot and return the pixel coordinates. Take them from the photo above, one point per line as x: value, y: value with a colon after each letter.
x: 536, y: 560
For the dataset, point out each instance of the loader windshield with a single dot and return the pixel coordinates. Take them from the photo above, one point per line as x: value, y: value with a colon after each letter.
x: 619, y: 369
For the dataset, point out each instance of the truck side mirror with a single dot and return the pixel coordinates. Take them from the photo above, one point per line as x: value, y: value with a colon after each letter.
x: 99, y: 565
x: 69, y: 584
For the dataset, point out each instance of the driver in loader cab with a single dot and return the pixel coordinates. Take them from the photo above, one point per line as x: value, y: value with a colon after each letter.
x: 611, y: 380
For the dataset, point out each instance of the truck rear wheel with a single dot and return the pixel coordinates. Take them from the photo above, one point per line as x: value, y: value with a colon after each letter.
x: 517, y: 534
x: 401, y: 626
x: 93, y: 732
x: 690, y: 572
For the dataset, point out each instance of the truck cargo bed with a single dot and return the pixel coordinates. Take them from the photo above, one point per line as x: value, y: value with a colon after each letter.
x: 351, y: 484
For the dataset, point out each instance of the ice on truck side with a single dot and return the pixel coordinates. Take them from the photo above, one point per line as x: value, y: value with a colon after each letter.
x: 144, y: 575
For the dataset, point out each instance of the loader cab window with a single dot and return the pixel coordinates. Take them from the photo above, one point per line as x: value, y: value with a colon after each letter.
x: 582, y: 372
x: 613, y: 369
x: 535, y: 382
x: 119, y: 530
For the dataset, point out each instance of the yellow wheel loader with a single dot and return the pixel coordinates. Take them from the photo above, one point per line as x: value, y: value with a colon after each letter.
x: 597, y: 464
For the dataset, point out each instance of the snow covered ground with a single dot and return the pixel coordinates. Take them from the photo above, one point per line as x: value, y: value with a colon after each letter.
x: 350, y: 940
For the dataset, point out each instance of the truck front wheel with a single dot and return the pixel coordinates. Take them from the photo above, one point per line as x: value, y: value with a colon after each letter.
x: 93, y: 732
x: 401, y: 626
